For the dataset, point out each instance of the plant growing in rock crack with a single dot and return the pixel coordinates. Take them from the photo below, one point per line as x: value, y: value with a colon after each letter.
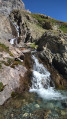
x: 1, y: 86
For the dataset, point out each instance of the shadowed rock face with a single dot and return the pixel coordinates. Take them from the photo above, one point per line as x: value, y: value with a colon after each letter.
x: 6, y: 6
x: 53, y: 49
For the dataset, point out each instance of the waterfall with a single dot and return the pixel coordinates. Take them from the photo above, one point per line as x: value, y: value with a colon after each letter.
x: 16, y: 27
x: 41, y: 82
x: 12, y: 41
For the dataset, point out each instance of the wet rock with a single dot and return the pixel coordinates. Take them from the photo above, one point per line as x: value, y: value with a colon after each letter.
x: 12, y: 115
x: 41, y: 114
x: 63, y: 112
x: 21, y: 57
x: 59, y: 63
x: 50, y: 105
x: 25, y: 115
x: 37, y: 106
x: 64, y: 104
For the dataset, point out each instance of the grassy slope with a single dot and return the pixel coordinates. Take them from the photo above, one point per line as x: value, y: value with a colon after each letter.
x: 43, y: 18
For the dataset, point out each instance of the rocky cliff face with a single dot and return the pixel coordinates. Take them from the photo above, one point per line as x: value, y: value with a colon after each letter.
x: 6, y: 6
x: 53, y: 50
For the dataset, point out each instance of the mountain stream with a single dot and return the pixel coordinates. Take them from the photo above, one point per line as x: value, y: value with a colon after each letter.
x: 42, y: 101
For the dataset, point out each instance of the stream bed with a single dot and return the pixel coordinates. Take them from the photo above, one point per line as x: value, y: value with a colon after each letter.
x: 42, y: 101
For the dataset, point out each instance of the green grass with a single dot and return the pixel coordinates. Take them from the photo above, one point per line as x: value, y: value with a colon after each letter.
x: 38, y: 18
x: 10, y: 62
x: 13, y: 94
x: 1, y: 86
x: 4, y: 48
x: 64, y: 28
x: 15, y: 63
x: 33, y: 45
x: 42, y: 19
x: 11, y: 54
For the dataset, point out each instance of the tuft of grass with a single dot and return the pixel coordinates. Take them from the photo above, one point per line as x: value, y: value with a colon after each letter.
x: 9, y: 61
x: 14, y: 94
x: 1, y: 86
x: 11, y: 54
x: 15, y: 63
x: 33, y: 45
x: 4, y: 48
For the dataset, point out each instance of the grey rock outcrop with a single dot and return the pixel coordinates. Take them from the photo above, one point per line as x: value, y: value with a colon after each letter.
x: 6, y: 6
x: 12, y: 81
x: 5, y: 28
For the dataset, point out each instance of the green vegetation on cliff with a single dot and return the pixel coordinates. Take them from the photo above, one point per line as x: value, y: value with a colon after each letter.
x: 63, y: 27
x: 3, y: 47
x: 42, y: 19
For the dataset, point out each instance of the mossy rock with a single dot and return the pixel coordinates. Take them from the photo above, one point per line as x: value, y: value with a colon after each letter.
x: 1, y: 86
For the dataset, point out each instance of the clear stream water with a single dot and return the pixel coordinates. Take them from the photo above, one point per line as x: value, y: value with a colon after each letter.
x: 41, y: 102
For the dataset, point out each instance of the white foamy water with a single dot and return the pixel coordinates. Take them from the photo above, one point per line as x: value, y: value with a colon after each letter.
x: 41, y: 82
x: 17, y: 28
x: 12, y: 41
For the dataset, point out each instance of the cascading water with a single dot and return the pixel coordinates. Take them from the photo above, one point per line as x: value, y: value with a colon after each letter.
x: 17, y: 28
x: 41, y: 82
x: 12, y: 41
